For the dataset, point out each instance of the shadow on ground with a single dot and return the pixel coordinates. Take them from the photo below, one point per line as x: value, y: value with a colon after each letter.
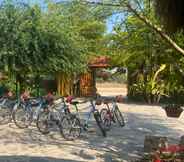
x: 32, y: 159
x: 121, y: 144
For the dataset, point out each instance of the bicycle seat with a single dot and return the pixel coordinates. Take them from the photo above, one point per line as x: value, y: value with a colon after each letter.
x: 107, y: 101
x: 34, y: 103
x: 74, y: 102
x: 98, y: 102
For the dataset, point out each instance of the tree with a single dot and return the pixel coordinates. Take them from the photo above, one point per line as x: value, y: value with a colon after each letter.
x: 59, y: 39
x: 126, y: 4
x: 88, y: 23
x: 31, y: 42
x: 134, y: 45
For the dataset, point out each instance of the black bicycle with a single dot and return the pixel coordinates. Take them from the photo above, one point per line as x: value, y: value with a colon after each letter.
x: 51, y: 117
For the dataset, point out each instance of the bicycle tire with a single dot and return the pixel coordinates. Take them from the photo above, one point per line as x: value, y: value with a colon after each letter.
x: 72, y: 124
x: 106, y: 120
x: 99, y: 123
x: 39, y: 122
x: 5, y: 115
x: 119, y: 117
x: 25, y: 123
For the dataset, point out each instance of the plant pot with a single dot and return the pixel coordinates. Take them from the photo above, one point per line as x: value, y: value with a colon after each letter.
x: 173, y: 111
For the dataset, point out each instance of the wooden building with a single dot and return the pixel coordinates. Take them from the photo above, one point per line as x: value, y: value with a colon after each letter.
x: 85, y: 84
x: 82, y: 85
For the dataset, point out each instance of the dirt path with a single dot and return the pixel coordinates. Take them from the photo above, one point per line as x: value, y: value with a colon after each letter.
x: 111, y: 89
x: 121, y: 145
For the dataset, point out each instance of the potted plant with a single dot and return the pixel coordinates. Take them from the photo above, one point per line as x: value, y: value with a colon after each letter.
x: 173, y: 110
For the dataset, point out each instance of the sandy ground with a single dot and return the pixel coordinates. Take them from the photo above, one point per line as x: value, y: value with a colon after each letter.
x: 121, y: 145
x: 111, y: 89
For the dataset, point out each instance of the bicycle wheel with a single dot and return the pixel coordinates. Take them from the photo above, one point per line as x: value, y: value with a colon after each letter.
x: 105, y: 117
x: 5, y: 115
x: 99, y: 123
x: 42, y: 122
x: 22, y: 117
x: 70, y: 127
x: 119, y: 117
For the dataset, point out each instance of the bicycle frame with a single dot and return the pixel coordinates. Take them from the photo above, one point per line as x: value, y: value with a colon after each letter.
x: 38, y: 109
x: 92, y: 108
x: 3, y: 101
x: 28, y: 107
x: 7, y: 103
x: 114, y: 106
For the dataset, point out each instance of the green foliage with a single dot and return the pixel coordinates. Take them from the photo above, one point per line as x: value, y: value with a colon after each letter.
x: 32, y: 43
x: 153, y: 88
x: 36, y: 42
x: 59, y: 39
x: 137, y: 47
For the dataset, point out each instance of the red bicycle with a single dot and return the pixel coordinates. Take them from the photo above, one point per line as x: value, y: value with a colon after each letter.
x: 111, y: 114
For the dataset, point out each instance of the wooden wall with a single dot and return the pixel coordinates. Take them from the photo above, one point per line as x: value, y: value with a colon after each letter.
x: 64, y: 84
x: 87, y: 84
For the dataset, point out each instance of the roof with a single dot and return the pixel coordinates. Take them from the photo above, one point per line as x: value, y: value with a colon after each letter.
x: 100, y: 62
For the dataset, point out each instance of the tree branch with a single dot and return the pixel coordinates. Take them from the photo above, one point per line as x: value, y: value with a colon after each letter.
x: 102, y: 4
x: 157, y: 29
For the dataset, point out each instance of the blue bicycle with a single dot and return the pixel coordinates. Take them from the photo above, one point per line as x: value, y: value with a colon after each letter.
x: 26, y: 112
x: 72, y: 124
x: 6, y: 109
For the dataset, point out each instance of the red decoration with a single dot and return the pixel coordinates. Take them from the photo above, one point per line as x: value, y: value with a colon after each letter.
x: 172, y: 149
x: 69, y: 99
x: 49, y: 98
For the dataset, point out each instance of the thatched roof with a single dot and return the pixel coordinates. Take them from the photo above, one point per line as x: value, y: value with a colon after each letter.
x: 171, y: 13
x: 100, y: 62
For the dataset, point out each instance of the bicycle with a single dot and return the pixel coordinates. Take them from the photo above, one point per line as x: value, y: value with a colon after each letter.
x: 76, y: 119
x: 24, y: 113
x: 51, y: 116
x: 6, y: 109
x: 111, y: 114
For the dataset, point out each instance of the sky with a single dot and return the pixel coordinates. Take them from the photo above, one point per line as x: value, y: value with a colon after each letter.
x: 110, y: 22
x: 116, y: 18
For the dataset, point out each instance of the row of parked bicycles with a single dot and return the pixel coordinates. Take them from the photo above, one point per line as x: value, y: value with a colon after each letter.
x: 54, y: 113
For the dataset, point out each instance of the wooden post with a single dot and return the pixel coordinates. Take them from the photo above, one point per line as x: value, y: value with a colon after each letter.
x: 16, y: 88
x: 94, y: 81
x: 37, y: 82
x: 59, y: 84
x: 64, y: 84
